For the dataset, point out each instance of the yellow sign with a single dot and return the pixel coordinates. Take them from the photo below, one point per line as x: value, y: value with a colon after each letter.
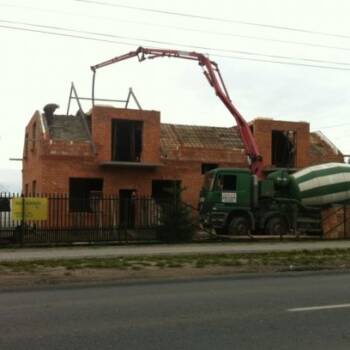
x: 35, y: 209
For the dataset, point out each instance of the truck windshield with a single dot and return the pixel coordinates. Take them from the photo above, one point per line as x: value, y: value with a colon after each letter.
x: 225, y: 182
x: 208, y: 181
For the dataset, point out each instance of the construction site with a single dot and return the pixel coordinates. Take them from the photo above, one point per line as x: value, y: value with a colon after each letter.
x: 130, y: 155
x: 127, y: 151
x: 175, y: 175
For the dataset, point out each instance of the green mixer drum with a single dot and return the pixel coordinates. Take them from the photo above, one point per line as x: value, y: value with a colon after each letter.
x: 321, y: 184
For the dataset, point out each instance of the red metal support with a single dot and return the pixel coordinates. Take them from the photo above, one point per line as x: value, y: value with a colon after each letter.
x: 213, y: 75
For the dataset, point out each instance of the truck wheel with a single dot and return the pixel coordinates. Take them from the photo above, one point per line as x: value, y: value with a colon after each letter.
x: 239, y: 226
x: 276, y: 226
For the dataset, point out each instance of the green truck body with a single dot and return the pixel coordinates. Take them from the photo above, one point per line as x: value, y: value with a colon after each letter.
x: 233, y: 201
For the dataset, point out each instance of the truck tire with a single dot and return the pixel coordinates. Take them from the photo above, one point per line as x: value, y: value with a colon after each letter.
x: 276, y: 226
x: 239, y: 226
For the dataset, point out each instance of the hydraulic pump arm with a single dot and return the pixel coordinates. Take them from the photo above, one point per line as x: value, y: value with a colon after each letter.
x: 212, y: 73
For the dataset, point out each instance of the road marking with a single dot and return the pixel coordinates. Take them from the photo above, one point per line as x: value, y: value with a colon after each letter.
x: 315, y: 308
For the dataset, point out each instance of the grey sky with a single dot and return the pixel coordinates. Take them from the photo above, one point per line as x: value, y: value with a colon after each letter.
x: 37, y: 68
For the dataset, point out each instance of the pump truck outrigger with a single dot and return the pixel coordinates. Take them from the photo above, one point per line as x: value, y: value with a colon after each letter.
x: 234, y: 200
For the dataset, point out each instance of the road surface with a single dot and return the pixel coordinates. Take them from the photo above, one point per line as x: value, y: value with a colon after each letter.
x: 300, y: 311
x: 164, y: 249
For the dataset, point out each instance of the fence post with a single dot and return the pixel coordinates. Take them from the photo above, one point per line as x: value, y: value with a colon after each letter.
x: 22, y: 221
x: 126, y: 217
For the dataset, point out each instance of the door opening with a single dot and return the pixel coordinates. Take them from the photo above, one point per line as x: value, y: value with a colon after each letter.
x: 127, y: 208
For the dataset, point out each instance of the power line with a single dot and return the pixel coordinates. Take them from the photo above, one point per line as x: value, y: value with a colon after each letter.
x: 334, y: 126
x: 243, y: 36
x: 279, y: 62
x: 210, y: 18
x: 184, y: 28
x: 64, y: 35
x: 248, y: 53
x: 133, y: 44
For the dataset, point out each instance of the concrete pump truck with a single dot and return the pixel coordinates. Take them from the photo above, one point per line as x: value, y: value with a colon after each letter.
x: 239, y: 201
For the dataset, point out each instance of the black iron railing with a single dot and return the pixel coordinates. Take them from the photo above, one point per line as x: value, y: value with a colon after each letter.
x: 97, y: 218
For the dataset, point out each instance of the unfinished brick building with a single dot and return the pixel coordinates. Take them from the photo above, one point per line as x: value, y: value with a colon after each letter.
x: 125, y: 152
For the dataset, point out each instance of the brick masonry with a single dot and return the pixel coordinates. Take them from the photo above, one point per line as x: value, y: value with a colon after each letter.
x: 336, y: 222
x: 262, y: 129
x: 51, y: 162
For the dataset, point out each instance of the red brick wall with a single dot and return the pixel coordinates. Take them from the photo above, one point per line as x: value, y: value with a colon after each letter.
x: 333, y: 220
x: 263, y: 135
x: 32, y: 165
x: 236, y: 157
x: 55, y: 179
x: 321, y: 152
x: 53, y: 162
x: 101, y: 131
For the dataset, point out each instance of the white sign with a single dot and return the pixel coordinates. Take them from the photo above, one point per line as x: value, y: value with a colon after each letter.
x: 229, y: 197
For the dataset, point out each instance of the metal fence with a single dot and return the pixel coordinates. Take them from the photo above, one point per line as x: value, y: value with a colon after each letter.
x: 103, y: 218
x: 97, y: 218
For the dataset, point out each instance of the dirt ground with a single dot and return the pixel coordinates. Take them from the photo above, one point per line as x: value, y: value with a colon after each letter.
x: 60, y: 276
x: 148, y: 267
x: 53, y: 276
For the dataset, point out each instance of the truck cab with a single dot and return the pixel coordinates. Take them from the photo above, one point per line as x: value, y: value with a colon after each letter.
x: 233, y: 201
x: 228, y: 195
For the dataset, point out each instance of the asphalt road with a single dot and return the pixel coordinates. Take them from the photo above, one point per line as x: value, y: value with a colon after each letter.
x: 247, y: 312
x: 165, y: 249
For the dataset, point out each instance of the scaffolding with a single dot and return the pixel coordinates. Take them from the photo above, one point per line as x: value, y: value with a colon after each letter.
x: 73, y: 95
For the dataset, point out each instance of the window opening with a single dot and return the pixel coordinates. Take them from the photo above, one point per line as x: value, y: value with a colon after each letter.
x: 83, y: 193
x: 208, y: 166
x: 126, y: 140
x: 165, y: 189
x: 283, y: 148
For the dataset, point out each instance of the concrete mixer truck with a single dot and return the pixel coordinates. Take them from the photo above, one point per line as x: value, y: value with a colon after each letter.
x: 234, y: 201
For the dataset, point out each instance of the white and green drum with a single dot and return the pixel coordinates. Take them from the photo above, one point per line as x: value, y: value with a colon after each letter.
x: 321, y: 184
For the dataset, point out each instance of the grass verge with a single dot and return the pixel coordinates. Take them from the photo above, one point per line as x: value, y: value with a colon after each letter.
x: 245, y: 262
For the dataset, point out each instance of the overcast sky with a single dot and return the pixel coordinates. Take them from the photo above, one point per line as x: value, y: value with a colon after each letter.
x: 37, y: 68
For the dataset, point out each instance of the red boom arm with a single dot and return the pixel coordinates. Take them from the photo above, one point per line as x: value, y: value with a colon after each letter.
x: 212, y: 73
